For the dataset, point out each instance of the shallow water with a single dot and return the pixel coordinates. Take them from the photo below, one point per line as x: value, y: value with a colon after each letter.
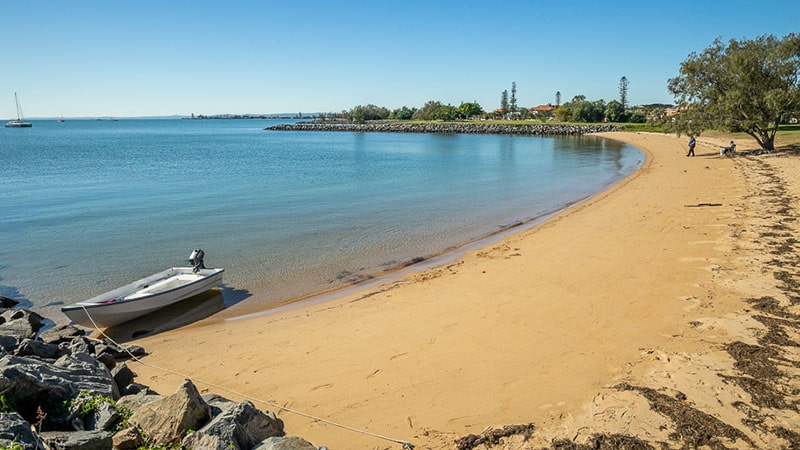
x: 88, y: 205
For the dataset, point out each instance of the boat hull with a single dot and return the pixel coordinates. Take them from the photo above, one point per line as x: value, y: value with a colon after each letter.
x: 143, y: 296
x: 18, y: 124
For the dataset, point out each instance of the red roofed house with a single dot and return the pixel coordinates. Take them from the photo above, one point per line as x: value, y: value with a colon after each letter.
x: 546, y: 109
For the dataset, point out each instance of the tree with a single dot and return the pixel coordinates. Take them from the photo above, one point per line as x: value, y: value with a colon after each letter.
x: 468, y: 110
x: 563, y: 113
x: 403, y: 113
x: 358, y: 114
x: 623, y: 92
x: 513, y: 102
x: 445, y: 112
x: 361, y: 114
x: 504, y: 102
x: 615, y: 112
x: 427, y: 111
x: 582, y: 110
x: 586, y: 111
x: 749, y: 86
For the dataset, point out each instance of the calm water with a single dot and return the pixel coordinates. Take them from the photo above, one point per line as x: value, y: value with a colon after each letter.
x: 86, y: 206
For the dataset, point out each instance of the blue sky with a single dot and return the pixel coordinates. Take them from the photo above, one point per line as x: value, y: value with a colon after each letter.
x: 135, y: 58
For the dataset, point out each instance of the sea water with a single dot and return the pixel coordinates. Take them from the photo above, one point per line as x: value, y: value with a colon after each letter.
x: 87, y: 206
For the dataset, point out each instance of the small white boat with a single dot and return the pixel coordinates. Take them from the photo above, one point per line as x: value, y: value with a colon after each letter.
x: 19, y: 122
x: 143, y: 296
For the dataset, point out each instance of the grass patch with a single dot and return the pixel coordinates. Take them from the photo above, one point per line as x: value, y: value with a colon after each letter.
x: 652, y: 128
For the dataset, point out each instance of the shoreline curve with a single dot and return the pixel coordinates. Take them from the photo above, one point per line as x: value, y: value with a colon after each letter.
x: 635, y: 315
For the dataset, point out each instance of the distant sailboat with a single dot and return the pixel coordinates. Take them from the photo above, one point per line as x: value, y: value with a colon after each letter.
x: 19, y: 122
x: 60, y: 119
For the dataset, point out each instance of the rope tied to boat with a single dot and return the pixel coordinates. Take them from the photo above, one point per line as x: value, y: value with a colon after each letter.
x: 406, y: 445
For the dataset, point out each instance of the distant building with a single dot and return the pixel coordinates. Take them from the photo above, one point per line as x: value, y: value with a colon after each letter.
x: 542, y: 109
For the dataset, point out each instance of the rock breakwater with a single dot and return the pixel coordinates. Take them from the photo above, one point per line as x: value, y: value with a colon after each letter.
x: 63, y: 390
x: 528, y: 129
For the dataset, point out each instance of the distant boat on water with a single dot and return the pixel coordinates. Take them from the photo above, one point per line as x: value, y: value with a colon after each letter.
x: 60, y: 119
x: 19, y: 122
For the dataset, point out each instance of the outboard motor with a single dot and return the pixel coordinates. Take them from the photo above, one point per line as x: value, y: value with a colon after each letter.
x: 196, y: 260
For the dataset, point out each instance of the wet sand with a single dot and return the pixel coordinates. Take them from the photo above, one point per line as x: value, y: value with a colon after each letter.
x: 665, y: 309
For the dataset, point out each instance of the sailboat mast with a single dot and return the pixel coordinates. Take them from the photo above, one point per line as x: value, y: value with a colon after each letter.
x: 19, y: 110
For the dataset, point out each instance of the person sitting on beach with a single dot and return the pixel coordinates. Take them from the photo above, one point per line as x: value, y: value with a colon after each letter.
x: 729, y: 150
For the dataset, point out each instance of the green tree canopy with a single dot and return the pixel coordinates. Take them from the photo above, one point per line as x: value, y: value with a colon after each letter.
x: 749, y: 86
x: 563, y: 113
x: 446, y: 112
x: 513, y: 102
x: 615, y: 112
x: 361, y: 114
x: 427, y: 110
x: 468, y: 110
x: 586, y: 111
x: 504, y: 107
x: 582, y: 110
x: 403, y: 113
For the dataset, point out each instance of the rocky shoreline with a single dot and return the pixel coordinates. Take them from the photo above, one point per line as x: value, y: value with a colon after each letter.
x: 63, y: 390
x: 527, y: 129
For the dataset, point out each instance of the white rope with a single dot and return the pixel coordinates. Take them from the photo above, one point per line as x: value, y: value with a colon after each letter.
x: 406, y: 445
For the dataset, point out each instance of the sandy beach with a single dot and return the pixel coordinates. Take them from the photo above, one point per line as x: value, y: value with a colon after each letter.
x: 663, y: 310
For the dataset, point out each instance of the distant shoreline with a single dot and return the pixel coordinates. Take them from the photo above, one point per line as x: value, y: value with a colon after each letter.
x: 449, y: 127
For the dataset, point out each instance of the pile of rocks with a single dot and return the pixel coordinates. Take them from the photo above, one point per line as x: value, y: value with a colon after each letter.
x: 60, y: 389
x: 530, y: 129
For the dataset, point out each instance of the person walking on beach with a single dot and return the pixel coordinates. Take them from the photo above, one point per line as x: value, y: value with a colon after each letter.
x: 692, y: 143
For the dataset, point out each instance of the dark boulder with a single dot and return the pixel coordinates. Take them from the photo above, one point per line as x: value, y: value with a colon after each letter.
x: 90, y: 413
x: 15, y: 429
x: 80, y: 345
x: 7, y: 303
x: 39, y: 349
x: 118, y: 352
x: 103, y: 418
x: 239, y: 426
x: 77, y: 440
x: 88, y: 375
x: 31, y: 384
x: 123, y: 375
x: 8, y: 343
x: 108, y: 361
x: 61, y: 333
x: 21, y: 323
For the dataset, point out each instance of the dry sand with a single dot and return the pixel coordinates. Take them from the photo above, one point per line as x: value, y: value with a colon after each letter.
x: 627, y: 319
